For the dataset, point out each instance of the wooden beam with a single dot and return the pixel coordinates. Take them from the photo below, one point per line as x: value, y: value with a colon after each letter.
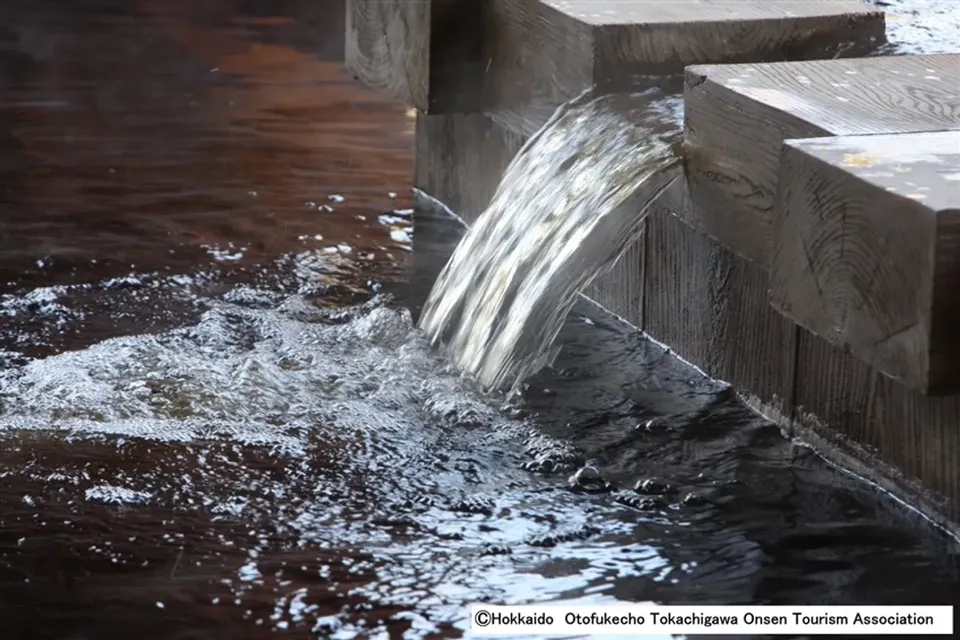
x: 737, y: 117
x: 424, y: 53
x: 866, y: 239
x: 540, y: 53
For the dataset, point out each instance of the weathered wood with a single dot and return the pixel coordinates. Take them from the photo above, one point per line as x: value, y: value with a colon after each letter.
x: 620, y: 290
x: 711, y: 307
x: 865, y: 250
x: 540, y: 53
x: 425, y: 53
x: 737, y: 118
x: 907, y: 443
x: 460, y: 159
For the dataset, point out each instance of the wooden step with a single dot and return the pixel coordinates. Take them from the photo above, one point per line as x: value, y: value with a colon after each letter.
x: 737, y: 117
x: 424, y: 53
x: 446, y: 56
x: 540, y: 53
x: 867, y: 250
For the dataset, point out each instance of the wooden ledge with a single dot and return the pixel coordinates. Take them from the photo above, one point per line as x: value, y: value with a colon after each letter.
x: 540, y: 53
x: 867, y: 250
x: 737, y: 117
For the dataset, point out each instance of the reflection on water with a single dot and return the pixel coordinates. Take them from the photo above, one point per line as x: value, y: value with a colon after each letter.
x: 200, y: 440
x: 158, y: 137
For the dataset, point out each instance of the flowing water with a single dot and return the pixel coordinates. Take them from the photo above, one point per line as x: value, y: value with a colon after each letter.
x: 571, y: 202
x: 219, y: 420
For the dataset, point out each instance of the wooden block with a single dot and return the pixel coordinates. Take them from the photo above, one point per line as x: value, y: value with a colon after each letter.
x: 737, y: 118
x: 425, y: 53
x: 540, y: 53
x: 711, y: 307
x: 460, y: 159
x: 907, y: 443
x: 867, y: 232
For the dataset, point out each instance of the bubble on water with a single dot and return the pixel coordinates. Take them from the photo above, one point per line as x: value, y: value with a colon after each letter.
x: 377, y: 434
x: 401, y: 235
x: 43, y: 301
x: 389, y: 220
x: 230, y: 254
x: 116, y: 495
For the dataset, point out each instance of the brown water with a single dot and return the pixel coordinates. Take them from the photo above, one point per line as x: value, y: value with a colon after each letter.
x: 214, y: 424
x: 155, y: 137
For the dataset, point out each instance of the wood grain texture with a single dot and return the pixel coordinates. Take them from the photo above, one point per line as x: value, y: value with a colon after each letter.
x: 535, y: 58
x: 540, y: 53
x: 460, y: 159
x: 664, y: 37
x: 744, y: 12
x: 711, y: 307
x: 856, y: 249
x: 620, y: 290
x: 906, y: 442
x: 425, y: 53
x: 733, y: 176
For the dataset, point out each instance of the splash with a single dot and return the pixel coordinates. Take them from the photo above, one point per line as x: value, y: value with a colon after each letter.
x: 569, y: 205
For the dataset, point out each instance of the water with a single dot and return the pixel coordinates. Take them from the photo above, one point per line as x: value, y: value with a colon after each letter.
x: 571, y: 202
x: 919, y: 26
x: 201, y: 444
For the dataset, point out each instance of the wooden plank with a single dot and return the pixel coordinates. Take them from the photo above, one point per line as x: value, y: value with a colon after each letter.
x: 540, y: 53
x: 867, y: 422
x: 460, y: 159
x: 711, y: 307
x: 677, y: 285
x: 425, y: 53
x: 865, y: 250
x: 734, y: 175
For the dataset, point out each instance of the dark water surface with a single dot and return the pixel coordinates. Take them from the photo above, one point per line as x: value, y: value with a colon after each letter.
x: 218, y: 421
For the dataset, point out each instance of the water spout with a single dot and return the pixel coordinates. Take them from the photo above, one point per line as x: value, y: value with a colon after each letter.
x: 570, y: 203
